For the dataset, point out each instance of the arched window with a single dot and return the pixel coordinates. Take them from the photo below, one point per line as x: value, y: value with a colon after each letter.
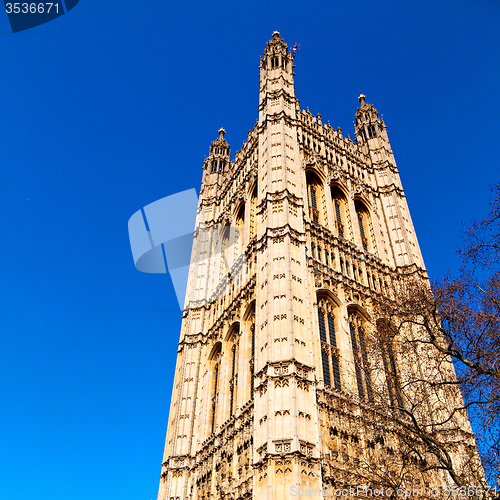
x: 330, y: 354
x: 316, y: 198
x: 214, y: 396
x: 224, y: 257
x: 313, y: 205
x: 215, y: 360
x: 386, y: 338
x: 252, y: 360
x: 251, y: 319
x: 365, y: 225
x: 233, y: 381
x: 240, y: 227
x: 249, y: 346
x: 361, y: 365
x: 340, y: 211
x: 253, y: 212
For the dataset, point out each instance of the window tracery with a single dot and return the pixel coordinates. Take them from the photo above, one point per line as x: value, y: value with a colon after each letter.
x: 316, y: 199
x: 391, y: 371
x: 253, y: 212
x: 365, y: 226
x: 234, y: 375
x: 330, y: 355
x: 216, y: 365
x: 357, y: 329
x: 340, y: 210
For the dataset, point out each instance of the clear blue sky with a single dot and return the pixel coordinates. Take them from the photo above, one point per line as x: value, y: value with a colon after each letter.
x: 113, y: 106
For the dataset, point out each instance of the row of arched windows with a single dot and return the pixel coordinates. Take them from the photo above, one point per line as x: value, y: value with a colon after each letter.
x: 224, y: 365
x: 222, y: 151
x: 275, y: 62
x: 333, y: 370
x: 218, y: 166
x: 317, y: 209
x: 341, y: 224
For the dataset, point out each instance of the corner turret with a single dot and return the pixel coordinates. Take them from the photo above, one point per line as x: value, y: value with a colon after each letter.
x: 368, y: 125
x: 277, y: 91
x: 219, y: 155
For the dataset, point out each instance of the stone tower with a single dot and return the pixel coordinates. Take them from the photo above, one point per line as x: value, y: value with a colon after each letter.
x: 296, y: 241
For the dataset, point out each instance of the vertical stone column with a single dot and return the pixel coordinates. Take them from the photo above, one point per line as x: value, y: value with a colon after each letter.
x: 283, y: 449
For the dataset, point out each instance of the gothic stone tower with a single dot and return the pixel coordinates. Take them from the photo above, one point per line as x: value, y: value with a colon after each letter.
x: 309, y: 227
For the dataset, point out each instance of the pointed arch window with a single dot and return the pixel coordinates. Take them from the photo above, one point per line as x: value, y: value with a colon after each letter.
x: 252, y: 361
x: 216, y: 362
x: 340, y: 210
x: 392, y: 377
x: 240, y: 227
x: 330, y: 354
x: 365, y: 225
x: 386, y: 337
x: 361, y: 364
x: 313, y: 204
x: 233, y: 381
x: 316, y: 198
x: 224, y: 253
x: 362, y: 232
x: 214, y: 396
x: 253, y: 212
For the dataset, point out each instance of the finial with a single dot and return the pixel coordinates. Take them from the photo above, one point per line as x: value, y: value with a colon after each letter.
x: 276, y: 34
x: 221, y: 133
x: 361, y: 98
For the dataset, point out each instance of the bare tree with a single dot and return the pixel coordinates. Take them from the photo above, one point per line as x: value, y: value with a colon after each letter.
x: 453, y: 329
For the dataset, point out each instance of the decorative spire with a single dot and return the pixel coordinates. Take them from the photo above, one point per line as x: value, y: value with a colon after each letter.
x: 368, y: 125
x: 276, y: 52
x: 218, y: 159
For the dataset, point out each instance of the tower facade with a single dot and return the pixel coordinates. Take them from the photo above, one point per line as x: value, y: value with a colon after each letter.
x: 297, y: 240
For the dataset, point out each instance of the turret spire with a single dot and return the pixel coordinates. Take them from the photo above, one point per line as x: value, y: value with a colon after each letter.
x: 367, y: 125
x: 219, y: 155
